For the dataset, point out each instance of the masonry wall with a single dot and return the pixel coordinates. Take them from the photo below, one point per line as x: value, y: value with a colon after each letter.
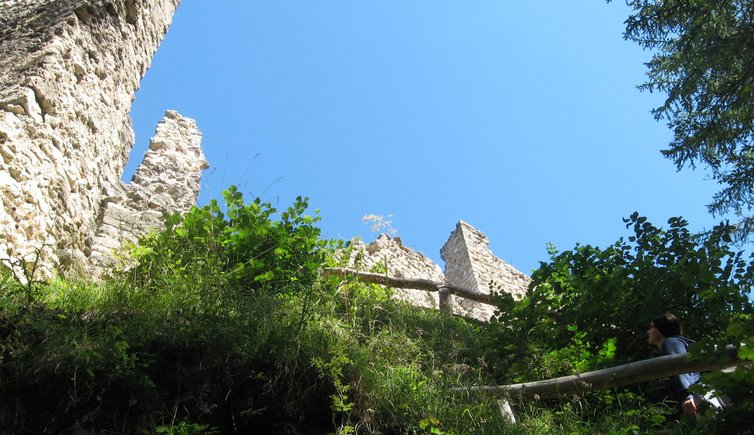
x: 470, y: 263
x: 468, y: 260
x: 400, y: 261
x: 166, y: 181
x: 69, y: 70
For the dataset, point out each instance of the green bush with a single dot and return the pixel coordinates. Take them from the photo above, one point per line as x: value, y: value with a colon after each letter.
x: 558, y: 329
x: 245, y: 247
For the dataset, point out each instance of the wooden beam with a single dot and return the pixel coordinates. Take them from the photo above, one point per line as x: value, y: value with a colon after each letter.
x: 377, y: 278
x: 618, y: 376
x: 444, y: 301
x: 413, y: 283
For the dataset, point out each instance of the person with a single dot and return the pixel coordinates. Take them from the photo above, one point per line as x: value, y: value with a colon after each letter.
x: 665, y: 333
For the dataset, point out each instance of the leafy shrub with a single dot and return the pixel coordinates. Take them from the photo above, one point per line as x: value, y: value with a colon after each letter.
x: 558, y: 328
x: 207, y: 329
x: 244, y: 247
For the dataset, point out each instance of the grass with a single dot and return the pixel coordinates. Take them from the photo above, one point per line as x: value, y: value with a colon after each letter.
x: 119, y: 358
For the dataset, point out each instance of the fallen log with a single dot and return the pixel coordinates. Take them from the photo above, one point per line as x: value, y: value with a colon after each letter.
x: 618, y: 376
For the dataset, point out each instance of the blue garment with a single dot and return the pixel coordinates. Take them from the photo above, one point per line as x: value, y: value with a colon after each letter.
x: 679, y: 384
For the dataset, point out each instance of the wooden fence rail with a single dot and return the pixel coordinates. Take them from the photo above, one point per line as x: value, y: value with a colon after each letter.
x: 443, y: 288
x: 618, y: 376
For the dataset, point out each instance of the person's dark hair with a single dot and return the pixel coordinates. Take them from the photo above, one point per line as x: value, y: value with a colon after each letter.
x: 668, y: 325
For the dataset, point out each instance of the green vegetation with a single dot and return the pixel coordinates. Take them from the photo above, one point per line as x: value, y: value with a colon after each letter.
x: 589, y: 308
x: 701, y: 280
x: 224, y: 326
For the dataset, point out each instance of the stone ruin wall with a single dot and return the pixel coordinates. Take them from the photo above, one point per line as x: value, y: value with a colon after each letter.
x: 69, y: 70
x: 401, y: 262
x: 166, y: 181
x: 469, y: 263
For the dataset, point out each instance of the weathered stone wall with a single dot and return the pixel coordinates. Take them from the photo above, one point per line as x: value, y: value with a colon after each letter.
x: 69, y: 70
x: 468, y: 263
x: 399, y: 261
x: 166, y: 181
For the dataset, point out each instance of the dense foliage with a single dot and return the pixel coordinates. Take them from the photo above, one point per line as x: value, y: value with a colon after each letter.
x: 223, y: 326
x: 589, y: 308
x: 614, y: 292
x: 207, y: 327
x: 245, y: 247
x: 703, y: 60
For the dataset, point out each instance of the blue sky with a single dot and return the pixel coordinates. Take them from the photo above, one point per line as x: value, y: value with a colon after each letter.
x: 521, y: 118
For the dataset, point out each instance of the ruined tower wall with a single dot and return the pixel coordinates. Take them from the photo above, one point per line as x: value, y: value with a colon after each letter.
x: 389, y: 254
x: 69, y: 70
x: 166, y: 181
x: 468, y: 263
x: 455, y: 253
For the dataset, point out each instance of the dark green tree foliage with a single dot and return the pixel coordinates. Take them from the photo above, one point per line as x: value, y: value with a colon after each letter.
x: 704, y: 61
x: 603, y: 299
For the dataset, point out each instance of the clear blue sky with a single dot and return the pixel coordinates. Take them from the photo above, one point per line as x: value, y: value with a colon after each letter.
x: 521, y: 118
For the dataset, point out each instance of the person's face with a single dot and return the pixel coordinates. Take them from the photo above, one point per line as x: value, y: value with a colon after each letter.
x: 654, y: 336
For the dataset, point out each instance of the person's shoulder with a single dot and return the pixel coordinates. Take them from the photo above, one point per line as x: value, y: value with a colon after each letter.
x: 676, y: 344
x: 685, y: 340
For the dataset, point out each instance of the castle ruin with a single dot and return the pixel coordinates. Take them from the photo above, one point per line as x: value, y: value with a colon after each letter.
x: 469, y: 263
x: 69, y: 70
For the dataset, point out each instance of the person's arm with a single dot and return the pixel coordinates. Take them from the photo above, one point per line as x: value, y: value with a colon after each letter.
x: 672, y: 346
